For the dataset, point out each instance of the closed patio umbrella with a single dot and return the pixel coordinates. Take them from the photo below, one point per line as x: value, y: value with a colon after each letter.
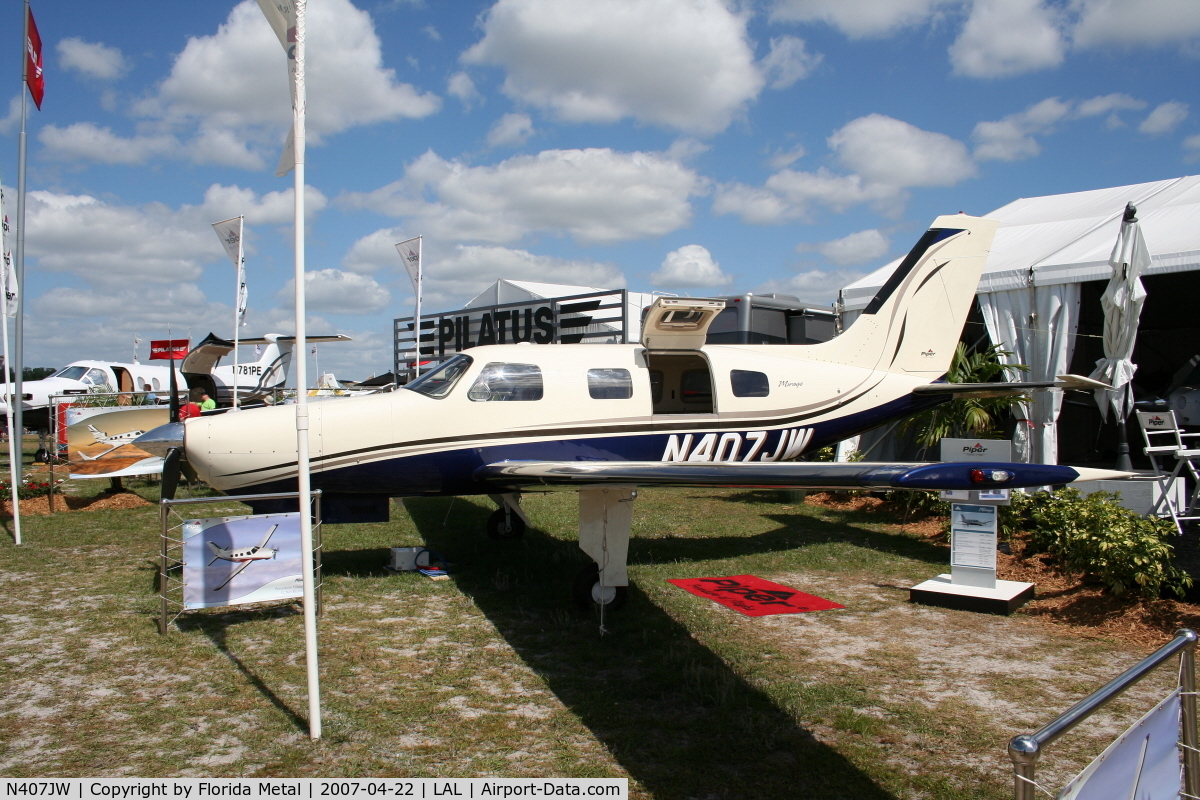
x: 1122, y: 301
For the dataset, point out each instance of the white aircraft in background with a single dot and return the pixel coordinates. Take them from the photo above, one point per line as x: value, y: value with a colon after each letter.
x: 116, y: 440
x: 199, y: 369
x: 243, y: 556
x: 605, y: 419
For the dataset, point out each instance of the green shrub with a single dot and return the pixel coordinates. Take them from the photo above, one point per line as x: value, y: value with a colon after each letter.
x: 1094, y: 535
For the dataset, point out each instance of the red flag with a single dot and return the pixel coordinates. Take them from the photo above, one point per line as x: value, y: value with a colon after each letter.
x: 33, y: 60
x: 169, y: 348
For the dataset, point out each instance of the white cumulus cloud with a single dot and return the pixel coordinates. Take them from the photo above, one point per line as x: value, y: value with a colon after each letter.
x: 1008, y: 37
x: 91, y: 59
x: 886, y: 157
x: 682, y: 64
x: 1165, y: 118
x: 1128, y: 23
x: 690, y: 267
x: 892, y: 152
x: 511, y: 130
x: 1011, y: 138
x: 788, y: 61
x: 336, y: 292
x: 859, y: 18
x: 857, y: 248
x: 226, y: 99
x: 594, y: 196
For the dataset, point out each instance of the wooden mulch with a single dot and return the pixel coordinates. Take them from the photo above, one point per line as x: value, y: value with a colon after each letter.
x: 41, y: 505
x: 1063, y: 599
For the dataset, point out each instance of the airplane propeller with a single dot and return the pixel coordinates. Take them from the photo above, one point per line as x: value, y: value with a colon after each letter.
x: 171, y: 472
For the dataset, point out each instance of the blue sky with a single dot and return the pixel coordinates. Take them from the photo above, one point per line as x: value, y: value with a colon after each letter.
x: 687, y: 146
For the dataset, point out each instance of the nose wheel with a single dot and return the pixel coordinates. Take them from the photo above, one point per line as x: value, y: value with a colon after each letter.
x: 503, y: 524
x: 589, y: 593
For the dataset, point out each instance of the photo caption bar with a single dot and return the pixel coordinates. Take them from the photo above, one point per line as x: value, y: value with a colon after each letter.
x: 314, y: 788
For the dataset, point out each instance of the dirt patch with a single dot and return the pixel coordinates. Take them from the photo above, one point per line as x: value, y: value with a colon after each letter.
x: 106, y: 501
x: 1064, y: 600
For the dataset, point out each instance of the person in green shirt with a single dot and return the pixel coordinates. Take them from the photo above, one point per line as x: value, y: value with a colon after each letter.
x: 206, y: 402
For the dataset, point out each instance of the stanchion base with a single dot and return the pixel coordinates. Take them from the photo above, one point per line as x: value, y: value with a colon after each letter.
x: 1006, y: 598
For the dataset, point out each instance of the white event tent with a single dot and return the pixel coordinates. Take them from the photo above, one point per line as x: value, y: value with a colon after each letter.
x: 1044, y: 249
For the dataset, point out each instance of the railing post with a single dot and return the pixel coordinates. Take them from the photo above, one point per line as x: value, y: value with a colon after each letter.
x: 1187, y: 692
x: 1024, y: 752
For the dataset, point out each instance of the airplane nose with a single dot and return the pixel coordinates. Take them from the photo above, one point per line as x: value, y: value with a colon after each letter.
x: 161, y: 439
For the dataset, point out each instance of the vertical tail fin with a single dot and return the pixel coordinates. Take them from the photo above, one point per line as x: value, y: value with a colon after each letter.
x: 914, y: 322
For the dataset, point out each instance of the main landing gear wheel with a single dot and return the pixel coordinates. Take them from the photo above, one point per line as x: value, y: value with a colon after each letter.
x: 589, y: 594
x: 504, y: 524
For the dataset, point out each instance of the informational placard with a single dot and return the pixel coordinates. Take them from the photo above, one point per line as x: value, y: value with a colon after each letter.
x: 234, y: 560
x: 972, y: 535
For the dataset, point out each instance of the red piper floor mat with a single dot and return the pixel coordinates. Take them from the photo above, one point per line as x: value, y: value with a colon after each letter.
x: 753, y: 596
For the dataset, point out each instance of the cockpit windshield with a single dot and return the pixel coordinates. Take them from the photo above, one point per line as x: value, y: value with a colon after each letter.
x: 441, y: 381
x: 73, y: 373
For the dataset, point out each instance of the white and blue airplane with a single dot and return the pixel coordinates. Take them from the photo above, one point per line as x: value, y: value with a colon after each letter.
x: 605, y: 419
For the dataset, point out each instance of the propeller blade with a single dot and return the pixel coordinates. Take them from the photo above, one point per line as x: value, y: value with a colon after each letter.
x: 170, y: 473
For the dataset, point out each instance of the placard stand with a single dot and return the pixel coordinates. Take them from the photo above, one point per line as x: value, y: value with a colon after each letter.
x: 170, y: 584
x: 972, y: 584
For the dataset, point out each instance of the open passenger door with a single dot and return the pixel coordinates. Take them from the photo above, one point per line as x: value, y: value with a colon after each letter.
x: 679, y: 323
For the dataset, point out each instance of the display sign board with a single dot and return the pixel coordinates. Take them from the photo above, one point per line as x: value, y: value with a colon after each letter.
x: 234, y: 560
x: 973, y: 535
x: 169, y: 348
x: 599, y: 317
x: 92, y: 432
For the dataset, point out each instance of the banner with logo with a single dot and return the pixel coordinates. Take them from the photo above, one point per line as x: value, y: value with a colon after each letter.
x: 753, y: 596
x: 169, y: 348
x: 234, y: 560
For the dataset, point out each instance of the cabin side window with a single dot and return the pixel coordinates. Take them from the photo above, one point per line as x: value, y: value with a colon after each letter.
x: 609, y: 384
x: 440, y: 382
x: 501, y: 382
x: 746, y: 383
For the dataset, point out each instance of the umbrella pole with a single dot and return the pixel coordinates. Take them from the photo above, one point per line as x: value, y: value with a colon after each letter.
x: 1123, y: 461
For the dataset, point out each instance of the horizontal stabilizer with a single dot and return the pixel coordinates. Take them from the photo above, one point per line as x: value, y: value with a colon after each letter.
x: 1011, y: 388
x: 518, y: 475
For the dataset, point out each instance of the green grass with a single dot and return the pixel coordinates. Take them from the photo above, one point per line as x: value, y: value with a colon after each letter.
x: 493, y: 673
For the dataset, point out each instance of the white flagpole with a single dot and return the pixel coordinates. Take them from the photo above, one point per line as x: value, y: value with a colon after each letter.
x: 305, y: 478
x: 237, y: 303
x: 420, y: 273
x: 14, y: 443
x: 18, y: 425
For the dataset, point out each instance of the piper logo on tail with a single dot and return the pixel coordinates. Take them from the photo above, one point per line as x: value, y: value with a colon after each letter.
x: 728, y: 446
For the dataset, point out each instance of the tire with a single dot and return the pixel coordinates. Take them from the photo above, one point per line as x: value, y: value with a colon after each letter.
x: 587, y: 595
x: 502, y: 525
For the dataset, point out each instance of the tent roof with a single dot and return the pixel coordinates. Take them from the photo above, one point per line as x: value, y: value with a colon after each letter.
x: 1067, y: 238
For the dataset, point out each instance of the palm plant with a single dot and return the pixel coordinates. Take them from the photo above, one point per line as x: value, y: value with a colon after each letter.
x: 968, y: 417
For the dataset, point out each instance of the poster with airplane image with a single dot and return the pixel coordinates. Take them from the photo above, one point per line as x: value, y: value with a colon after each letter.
x: 93, y: 432
x: 234, y: 560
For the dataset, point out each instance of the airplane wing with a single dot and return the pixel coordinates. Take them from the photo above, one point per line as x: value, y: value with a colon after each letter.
x: 1076, y: 382
x: 232, y: 575
x: 532, y: 475
x: 267, y: 538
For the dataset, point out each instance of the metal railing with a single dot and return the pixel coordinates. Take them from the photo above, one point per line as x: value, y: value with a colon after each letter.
x: 170, y: 561
x: 1026, y: 749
